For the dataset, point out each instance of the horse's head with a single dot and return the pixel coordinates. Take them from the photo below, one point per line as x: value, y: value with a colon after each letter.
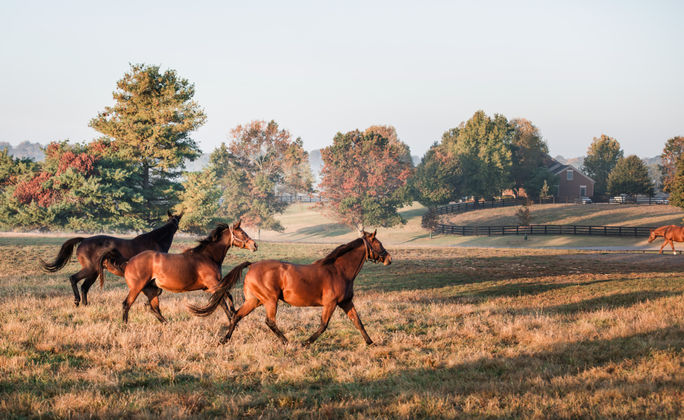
x: 652, y: 236
x: 376, y: 252
x: 240, y: 238
x: 174, y: 217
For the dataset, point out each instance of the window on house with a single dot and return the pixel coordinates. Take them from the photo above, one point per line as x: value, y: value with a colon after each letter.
x: 569, y: 174
x: 583, y: 190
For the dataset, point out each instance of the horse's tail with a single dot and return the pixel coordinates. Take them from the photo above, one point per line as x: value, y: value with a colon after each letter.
x: 226, y: 283
x: 114, y: 258
x: 62, y: 257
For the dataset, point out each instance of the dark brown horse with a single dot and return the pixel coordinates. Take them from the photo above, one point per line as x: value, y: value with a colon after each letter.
x: 671, y: 234
x: 328, y: 282
x: 198, y: 268
x: 91, y: 250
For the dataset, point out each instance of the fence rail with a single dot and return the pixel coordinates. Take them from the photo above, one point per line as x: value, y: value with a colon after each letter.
x: 633, y: 231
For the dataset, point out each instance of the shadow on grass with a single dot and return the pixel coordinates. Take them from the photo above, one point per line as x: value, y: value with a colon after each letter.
x: 525, y: 378
x: 326, y: 230
x: 417, y: 274
x: 613, y: 301
x: 507, y: 377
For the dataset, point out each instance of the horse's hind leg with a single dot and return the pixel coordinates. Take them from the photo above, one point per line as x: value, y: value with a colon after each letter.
x: 86, y: 286
x: 229, y: 311
x: 325, y: 319
x: 152, y: 292
x: 271, y: 309
x: 349, y: 308
x: 74, y: 279
x: 245, y: 309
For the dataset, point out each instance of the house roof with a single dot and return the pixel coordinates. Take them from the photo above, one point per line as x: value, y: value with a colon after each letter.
x: 556, y: 168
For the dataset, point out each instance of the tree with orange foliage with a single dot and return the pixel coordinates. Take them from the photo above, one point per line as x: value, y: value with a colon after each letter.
x: 364, y: 177
x: 260, y: 159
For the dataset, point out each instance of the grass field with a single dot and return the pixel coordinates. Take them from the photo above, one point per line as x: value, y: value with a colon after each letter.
x: 458, y: 332
x: 306, y: 223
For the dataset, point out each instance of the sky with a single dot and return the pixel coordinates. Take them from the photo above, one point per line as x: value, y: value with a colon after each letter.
x: 575, y: 69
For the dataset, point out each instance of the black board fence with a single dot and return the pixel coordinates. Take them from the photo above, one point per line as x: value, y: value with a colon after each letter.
x: 624, y: 231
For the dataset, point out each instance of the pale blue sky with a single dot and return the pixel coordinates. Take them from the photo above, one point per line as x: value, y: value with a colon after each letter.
x: 576, y: 70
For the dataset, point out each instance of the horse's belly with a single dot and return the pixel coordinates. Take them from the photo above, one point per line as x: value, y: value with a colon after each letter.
x: 174, y: 284
x: 302, y: 298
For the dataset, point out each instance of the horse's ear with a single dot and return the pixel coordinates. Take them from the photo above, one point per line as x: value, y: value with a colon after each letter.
x: 181, y: 214
x: 169, y: 213
x: 373, y: 234
x: 237, y: 224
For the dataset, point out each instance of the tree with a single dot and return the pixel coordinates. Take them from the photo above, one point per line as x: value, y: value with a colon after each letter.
x: 199, y: 201
x: 541, y: 176
x: 545, y: 191
x: 364, y: 177
x: 672, y: 153
x: 483, y: 148
x: 602, y: 156
x: 77, y: 187
x: 260, y: 159
x: 528, y: 153
x: 630, y: 176
x: 437, y: 178
x: 523, y: 214
x: 150, y: 125
x: 677, y: 185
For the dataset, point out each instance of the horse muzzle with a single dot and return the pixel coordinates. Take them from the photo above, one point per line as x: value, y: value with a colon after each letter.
x: 253, y: 246
x: 387, y: 260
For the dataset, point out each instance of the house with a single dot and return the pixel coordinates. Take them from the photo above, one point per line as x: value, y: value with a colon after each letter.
x: 573, y: 184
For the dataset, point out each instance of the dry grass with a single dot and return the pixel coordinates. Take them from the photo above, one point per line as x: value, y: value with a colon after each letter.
x: 459, y: 333
x: 573, y: 214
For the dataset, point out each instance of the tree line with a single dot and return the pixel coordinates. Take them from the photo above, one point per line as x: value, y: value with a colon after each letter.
x: 128, y: 178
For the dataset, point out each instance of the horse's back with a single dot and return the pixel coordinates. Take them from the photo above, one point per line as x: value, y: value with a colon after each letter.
x: 675, y: 233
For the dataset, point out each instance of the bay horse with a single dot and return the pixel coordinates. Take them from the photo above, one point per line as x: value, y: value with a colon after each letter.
x: 328, y: 282
x: 671, y: 234
x: 91, y: 250
x: 197, y: 268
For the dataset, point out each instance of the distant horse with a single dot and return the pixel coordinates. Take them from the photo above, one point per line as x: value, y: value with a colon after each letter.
x: 197, y: 268
x: 91, y: 250
x: 328, y: 282
x: 671, y: 234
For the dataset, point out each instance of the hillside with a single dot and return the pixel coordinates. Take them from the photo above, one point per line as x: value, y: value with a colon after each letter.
x: 573, y: 214
x: 306, y: 223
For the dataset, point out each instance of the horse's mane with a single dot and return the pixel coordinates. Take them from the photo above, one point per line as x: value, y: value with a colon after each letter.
x: 339, y: 251
x: 214, y: 236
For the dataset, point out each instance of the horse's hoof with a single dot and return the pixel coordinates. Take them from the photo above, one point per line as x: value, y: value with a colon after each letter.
x: 76, y: 302
x: 369, y: 343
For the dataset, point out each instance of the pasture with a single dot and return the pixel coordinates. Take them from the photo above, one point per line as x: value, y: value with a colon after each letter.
x: 305, y: 223
x: 458, y: 333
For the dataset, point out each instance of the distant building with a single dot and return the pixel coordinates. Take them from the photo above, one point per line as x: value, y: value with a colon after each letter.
x: 573, y: 184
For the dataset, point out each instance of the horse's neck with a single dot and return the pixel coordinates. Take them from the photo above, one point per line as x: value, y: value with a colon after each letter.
x: 162, y: 236
x: 350, y: 264
x: 216, y: 251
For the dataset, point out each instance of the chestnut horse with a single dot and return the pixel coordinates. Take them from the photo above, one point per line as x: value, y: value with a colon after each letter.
x: 671, y: 234
x: 197, y: 268
x: 91, y: 250
x: 328, y: 282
